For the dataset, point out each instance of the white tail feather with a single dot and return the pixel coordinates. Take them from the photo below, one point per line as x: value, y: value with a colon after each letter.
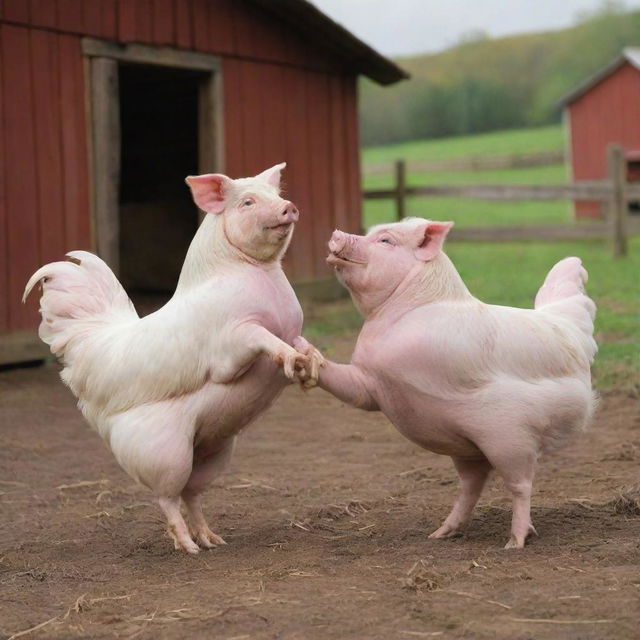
x: 77, y: 294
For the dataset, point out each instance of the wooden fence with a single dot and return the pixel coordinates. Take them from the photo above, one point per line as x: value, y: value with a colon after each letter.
x: 614, y: 191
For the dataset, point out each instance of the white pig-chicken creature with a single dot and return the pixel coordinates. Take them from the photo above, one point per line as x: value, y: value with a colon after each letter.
x: 490, y: 386
x: 170, y: 391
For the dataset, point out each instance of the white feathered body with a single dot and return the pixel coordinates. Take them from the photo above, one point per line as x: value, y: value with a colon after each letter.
x: 179, y: 373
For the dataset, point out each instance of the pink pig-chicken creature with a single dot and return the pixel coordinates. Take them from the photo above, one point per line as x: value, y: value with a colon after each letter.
x: 490, y: 386
x: 169, y: 392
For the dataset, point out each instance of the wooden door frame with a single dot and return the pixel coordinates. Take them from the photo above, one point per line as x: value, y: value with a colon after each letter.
x: 103, y: 118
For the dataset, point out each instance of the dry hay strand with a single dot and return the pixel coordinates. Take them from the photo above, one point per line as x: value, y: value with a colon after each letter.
x: 554, y: 621
x: 625, y: 452
x: 82, y: 484
x: 79, y: 606
x: 32, y: 629
x: 83, y: 603
x: 627, y: 503
x: 473, y: 596
x: 351, y: 509
x: 421, y: 578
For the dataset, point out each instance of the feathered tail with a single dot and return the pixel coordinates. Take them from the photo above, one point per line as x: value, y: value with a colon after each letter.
x: 77, y: 296
x: 563, y: 294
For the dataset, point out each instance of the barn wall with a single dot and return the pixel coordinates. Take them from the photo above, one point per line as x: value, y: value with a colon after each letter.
x: 607, y: 113
x: 310, y: 122
x: 283, y: 100
x: 44, y: 198
x: 224, y: 27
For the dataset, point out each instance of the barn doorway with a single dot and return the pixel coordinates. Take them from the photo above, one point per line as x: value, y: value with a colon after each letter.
x: 158, y: 148
x: 155, y: 116
x: 633, y: 175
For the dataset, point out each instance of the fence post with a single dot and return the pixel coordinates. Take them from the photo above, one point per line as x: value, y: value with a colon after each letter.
x: 401, y: 184
x: 618, y: 203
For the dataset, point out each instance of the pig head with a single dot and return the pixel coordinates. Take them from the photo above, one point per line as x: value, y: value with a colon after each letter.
x: 385, y: 262
x: 255, y: 219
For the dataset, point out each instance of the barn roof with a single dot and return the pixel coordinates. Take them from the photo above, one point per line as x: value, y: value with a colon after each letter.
x: 629, y: 54
x: 306, y: 18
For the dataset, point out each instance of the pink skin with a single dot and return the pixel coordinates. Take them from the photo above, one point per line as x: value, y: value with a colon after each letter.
x: 489, y: 386
x: 169, y: 392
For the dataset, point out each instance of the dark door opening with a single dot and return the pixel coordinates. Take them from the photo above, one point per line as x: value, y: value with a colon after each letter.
x: 159, y: 148
x: 633, y: 175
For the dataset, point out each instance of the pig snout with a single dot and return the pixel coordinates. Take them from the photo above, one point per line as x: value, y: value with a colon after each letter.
x: 289, y: 214
x: 337, y: 242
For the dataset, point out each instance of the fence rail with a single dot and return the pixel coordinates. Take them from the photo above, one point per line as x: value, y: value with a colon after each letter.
x: 476, y: 163
x: 614, y: 191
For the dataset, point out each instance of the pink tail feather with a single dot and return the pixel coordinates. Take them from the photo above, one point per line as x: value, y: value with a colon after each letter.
x: 563, y: 294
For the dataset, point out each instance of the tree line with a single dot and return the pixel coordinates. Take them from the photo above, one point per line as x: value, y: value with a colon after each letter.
x: 485, y: 84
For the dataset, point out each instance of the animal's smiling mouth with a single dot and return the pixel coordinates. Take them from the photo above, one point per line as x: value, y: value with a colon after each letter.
x: 284, y: 225
x: 335, y: 259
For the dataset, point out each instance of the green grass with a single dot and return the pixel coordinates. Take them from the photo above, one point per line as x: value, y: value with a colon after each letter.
x: 496, y: 143
x: 472, y: 212
x: 511, y: 273
x: 468, y: 213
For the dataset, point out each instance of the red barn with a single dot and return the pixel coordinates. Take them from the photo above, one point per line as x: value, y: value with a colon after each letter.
x: 106, y: 105
x: 605, y: 110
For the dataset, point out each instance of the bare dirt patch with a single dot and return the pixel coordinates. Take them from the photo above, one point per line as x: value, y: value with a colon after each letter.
x: 326, y: 510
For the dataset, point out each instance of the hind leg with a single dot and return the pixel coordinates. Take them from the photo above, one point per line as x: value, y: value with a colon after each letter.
x: 204, y: 471
x: 473, y: 475
x: 176, y: 526
x: 154, y: 447
x: 172, y: 473
x: 516, y: 463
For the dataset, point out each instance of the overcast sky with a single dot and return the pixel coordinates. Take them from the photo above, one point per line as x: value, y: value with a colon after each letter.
x: 406, y: 27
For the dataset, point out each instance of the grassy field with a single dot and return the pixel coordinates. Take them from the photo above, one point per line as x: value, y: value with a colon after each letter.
x: 511, y: 273
x: 472, y: 212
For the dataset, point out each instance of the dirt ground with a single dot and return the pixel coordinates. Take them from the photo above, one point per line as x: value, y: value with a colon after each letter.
x: 326, y: 510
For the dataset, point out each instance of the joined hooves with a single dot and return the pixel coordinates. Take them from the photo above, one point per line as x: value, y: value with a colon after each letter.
x: 308, y: 375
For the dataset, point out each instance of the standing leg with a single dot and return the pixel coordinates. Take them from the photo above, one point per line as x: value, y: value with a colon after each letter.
x: 177, y: 527
x: 516, y: 463
x: 152, y: 445
x: 473, y: 474
x: 204, y: 471
x: 521, y: 525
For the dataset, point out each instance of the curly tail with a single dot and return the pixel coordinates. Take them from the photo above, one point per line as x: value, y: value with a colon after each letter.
x: 563, y: 294
x: 77, y: 296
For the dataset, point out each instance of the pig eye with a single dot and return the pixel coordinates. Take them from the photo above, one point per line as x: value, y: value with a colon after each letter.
x: 386, y: 241
x: 248, y: 202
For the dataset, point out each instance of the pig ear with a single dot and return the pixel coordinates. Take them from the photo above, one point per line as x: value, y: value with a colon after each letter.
x: 432, y: 239
x: 210, y: 191
x: 272, y: 176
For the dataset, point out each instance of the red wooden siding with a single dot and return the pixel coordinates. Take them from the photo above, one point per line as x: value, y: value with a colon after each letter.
x: 275, y: 113
x: 44, y: 211
x: 607, y: 113
x: 4, y: 247
x: 298, y: 177
x: 21, y: 198
x: 48, y: 152
x: 284, y: 100
x: 224, y: 27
